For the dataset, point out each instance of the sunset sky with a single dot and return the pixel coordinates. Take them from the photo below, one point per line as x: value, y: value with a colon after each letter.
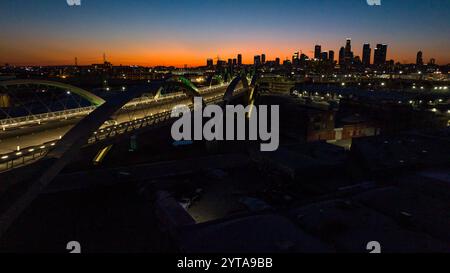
x: 179, y: 32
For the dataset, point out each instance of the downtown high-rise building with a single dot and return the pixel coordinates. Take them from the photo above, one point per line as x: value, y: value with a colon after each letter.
x: 324, y: 56
x: 209, y: 62
x: 384, y: 53
x: 419, y: 58
x: 257, y: 60
x: 317, y: 52
x: 220, y: 63
x: 239, y: 59
x: 342, y: 56
x: 331, y: 55
x: 263, y: 58
x: 380, y: 54
x: 367, y: 51
x: 348, y: 54
x: 303, y: 58
x: 348, y: 46
x: 277, y: 61
x: 296, y: 58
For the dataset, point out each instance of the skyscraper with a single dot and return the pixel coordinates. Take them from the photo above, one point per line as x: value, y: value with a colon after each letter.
x: 257, y: 60
x: 239, y: 59
x: 348, y: 52
x: 263, y: 58
x: 317, y: 52
x: 303, y: 58
x: 296, y: 58
x: 384, y: 53
x: 324, y: 56
x: 220, y: 63
x: 331, y: 55
x: 342, y: 56
x: 380, y: 54
x: 348, y: 47
x: 367, y: 51
x: 209, y: 63
x: 277, y: 61
x: 376, y: 55
x: 419, y: 59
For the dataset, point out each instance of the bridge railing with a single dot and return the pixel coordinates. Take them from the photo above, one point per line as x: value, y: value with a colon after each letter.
x: 30, y: 119
x: 24, y: 156
x: 49, y: 116
x: 34, y: 153
x: 139, y: 101
x: 125, y: 127
x: 213, y: 87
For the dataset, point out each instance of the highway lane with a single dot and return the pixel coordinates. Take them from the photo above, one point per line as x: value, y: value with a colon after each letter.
x: 34, y: 135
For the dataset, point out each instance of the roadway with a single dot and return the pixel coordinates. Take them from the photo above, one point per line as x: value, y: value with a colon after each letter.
x: 16, y: 139
x: 34, y: 135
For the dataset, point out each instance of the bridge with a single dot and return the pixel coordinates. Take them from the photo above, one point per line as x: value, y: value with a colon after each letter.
x: 27, y: 138
x: 56, y: 137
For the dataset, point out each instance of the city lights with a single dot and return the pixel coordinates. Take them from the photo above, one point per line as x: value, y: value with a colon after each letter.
x: 196, y: 128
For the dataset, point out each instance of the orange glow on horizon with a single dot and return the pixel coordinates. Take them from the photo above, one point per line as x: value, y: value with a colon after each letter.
x: 174, y: 53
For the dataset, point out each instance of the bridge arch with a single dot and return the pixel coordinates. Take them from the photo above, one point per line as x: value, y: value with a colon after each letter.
x: 78, y: 136
x: 249, y: 87
x: 228, y: 96
x: 215, y: 77
x: 95, y: 100
x: 85, y: 128
x: 191, y: 90
x: 70, y: 144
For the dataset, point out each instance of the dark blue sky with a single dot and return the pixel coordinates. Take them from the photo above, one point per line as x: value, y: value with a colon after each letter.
x: 188, y: 31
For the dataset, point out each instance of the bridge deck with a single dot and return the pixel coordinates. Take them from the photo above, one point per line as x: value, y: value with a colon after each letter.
x: 29, y: 143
